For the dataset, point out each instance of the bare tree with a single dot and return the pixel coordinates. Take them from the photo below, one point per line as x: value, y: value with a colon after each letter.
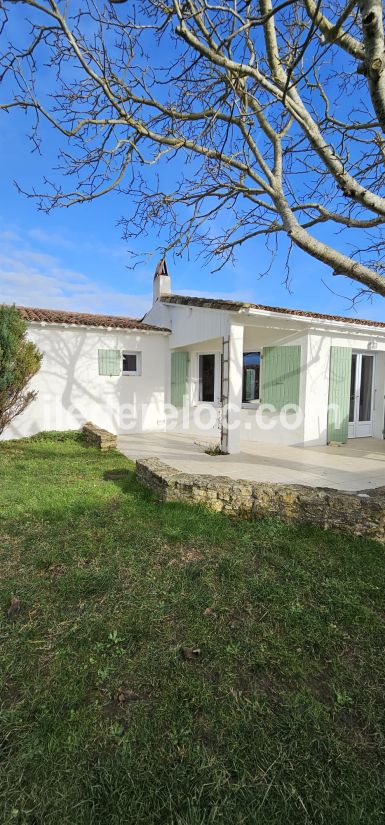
x: 277, y: 111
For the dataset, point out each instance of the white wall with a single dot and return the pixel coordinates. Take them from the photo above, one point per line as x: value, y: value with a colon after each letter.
x: 256, y: 425
x: 275, y: 427
x: 310, y: 426
x: 193, y: 325
x: 197, y: 413
x: 189, y: 325
x: 317, y: 379
x: 71, y: 391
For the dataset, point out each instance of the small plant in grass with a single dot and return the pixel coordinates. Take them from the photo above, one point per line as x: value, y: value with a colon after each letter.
x: 19, y: 361
x: 214, y: 449
x: 343, y: 699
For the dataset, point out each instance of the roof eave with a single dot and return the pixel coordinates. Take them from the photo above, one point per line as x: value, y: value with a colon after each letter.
x: 68, y: 325
x: 311, y: 321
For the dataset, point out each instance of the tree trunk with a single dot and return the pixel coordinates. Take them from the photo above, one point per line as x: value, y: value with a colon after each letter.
x: 374, y: 65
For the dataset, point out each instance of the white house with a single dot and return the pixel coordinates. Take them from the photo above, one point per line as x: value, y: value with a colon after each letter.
x: 228, y: 369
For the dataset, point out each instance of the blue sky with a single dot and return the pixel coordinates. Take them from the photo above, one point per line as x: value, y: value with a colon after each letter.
x: 75, y: 258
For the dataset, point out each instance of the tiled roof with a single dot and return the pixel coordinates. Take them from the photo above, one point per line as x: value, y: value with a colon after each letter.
x: 59, y: 316
x: 235, y: 306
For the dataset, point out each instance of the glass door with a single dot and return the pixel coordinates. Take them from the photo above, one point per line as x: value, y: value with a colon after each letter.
x: 361, y: 395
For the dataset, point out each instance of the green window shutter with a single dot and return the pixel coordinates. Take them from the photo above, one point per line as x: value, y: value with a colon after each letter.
x: 109, y: 361
x: 179, y: 366
x: 281, y: 369
x: 339, y: 393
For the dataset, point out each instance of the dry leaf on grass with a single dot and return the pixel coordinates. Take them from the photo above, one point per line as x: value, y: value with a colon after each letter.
x: 14, y: 607
x: 191, y: 652
x: 209, y: 612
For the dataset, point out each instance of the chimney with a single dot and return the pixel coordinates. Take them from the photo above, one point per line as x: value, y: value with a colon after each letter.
x: 162, y: 281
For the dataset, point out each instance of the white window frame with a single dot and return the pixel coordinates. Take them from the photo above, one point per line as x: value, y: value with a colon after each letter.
x: 217, y: 379
x: 138, y: 356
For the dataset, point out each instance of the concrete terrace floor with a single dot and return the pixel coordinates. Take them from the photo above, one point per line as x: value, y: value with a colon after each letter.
x: 358, y: 465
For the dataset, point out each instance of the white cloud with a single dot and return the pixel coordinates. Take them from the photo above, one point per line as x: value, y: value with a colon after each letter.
x: 31, y: 277
x: 57, y: 238
x: 61, y: 239
x: 9, y: 235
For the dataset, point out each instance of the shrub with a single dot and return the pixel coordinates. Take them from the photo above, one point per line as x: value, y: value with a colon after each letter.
x: 19, y: 361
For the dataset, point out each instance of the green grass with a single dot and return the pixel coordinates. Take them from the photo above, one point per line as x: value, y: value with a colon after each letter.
x: 281, y: 719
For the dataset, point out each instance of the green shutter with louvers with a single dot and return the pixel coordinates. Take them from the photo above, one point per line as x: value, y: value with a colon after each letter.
x: 281, y: 370
x: 339, y: 393
x: 109, y: 361
x: 179, y: 366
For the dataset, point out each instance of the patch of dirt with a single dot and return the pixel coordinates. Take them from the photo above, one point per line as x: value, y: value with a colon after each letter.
x: 188, y: 555
x: 57, y: 570
x: 320, y: 684
x: 84, y: 563
x: 191, y: 554
x: 213, y: 676
x: 120, y: 701
x: 353, y: 730
x: 116, y: 475
x: 12, y: 694
x: 125, y: 695
x: 258, y: 682
x: 204, y: 731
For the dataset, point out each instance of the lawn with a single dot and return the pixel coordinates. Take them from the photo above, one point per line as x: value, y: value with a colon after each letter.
x: 280, y: 718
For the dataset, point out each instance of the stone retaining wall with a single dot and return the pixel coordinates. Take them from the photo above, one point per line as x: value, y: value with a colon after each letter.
x: 360, y: 513
x: 98, y: 437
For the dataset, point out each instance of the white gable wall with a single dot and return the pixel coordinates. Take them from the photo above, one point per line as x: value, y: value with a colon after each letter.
x: 71, y: 391
x: 189, y: 325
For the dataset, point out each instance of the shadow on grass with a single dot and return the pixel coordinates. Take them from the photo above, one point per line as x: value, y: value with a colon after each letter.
x: 122, y: 478
x: 288, y: 690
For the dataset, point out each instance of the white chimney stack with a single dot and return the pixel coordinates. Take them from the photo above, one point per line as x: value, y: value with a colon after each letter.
x: 162, y: 281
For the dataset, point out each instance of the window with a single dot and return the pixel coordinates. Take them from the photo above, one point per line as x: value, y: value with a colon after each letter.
x: 206, y: 377
x: 132, y: 363
x: 251, y: 373
x: 109, y: 361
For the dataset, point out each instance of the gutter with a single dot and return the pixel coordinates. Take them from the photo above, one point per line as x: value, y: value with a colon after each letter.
x: 313, y: 322
x: 98, y: 327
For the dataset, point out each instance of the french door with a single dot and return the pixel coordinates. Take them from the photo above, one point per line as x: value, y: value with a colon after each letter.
x: 361, y: 395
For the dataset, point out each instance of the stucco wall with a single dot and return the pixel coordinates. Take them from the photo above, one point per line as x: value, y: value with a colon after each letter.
x: 317, y: 379
x: 256, y: 424
x: 71, y: 391
x: 198, y: 329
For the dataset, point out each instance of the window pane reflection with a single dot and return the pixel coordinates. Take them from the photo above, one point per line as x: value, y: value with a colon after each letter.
x: 365, y: 412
